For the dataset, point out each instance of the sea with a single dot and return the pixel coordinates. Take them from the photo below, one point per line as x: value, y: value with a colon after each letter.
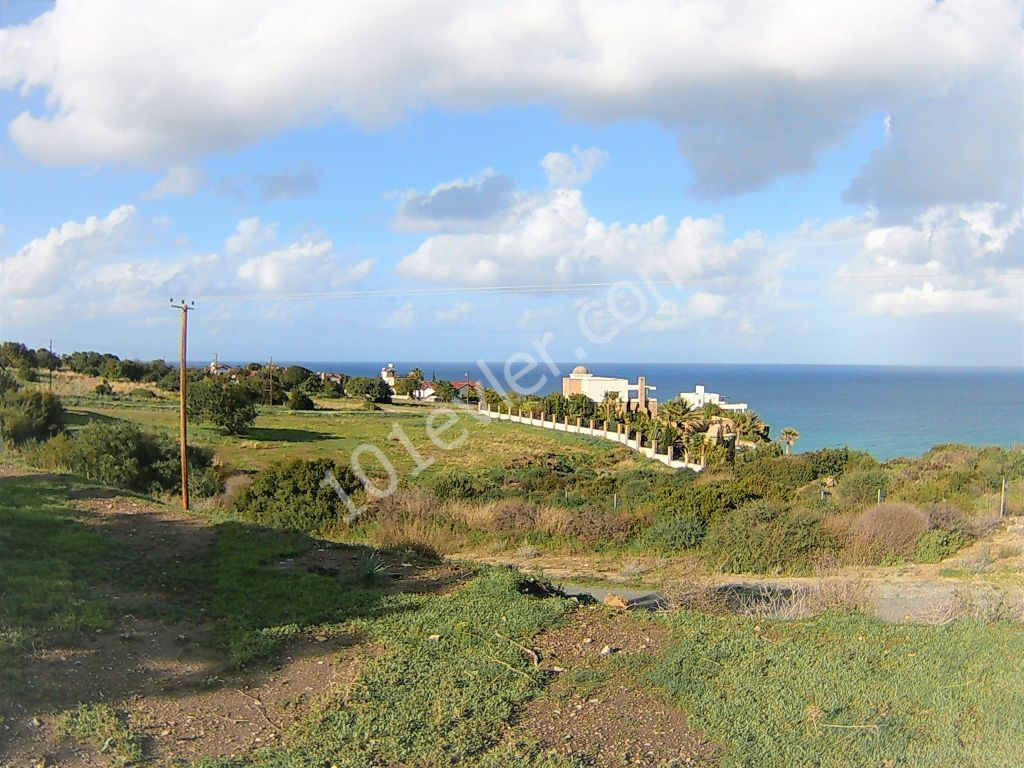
x: 887, y: 411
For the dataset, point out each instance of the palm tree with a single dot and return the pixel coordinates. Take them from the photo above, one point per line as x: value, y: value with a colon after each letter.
x: 787, y: 437
x: 416, y: 373
x: 610, y: 401
x: 677, y: 411
x: 749, y: 426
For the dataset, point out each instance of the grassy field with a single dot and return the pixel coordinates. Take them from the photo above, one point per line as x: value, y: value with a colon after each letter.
x: 336, y: 432
x: 440, y: 677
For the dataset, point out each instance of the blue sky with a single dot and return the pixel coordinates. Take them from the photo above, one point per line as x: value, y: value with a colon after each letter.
x: 458, y: 181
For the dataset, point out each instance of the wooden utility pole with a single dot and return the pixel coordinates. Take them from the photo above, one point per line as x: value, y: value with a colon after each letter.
x: 1002, y: 500
x: 183, y: 383
x: 271, y: 379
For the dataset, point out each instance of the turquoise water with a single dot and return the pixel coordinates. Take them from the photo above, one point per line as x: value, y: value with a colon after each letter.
x: 888, y: 411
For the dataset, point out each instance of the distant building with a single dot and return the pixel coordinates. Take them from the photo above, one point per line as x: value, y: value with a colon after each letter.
x: 221, y: 369
x: 390, y: 375
x: 582, y: 382
x: 427, y: 390
x: 701, y: 396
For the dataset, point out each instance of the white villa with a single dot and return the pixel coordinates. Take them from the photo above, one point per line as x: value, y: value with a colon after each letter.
x: 701, y: 396
x: 582, y: 382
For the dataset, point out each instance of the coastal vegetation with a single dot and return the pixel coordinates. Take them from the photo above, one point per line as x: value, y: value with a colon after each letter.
x: 442, y: 659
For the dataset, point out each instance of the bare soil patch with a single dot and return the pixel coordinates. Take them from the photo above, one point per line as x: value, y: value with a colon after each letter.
x: 167, y: 676
x: 596, y: 709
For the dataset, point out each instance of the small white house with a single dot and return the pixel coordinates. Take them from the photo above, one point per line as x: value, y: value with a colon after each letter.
x: 701, y: 396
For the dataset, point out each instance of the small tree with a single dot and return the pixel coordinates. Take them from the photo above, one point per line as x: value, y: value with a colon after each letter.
x: 104, y: 388
x: 375, y: 390
x: 445, y: 391
x: 28, y: 416
x: 222, y: 403
x: 787, y: 437
x: 300, y: 401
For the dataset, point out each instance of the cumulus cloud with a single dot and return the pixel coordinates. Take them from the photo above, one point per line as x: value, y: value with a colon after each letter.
x: 572, y: 170
x: 181, y: 179
x: 482, y: 201
x: 457, y: 310
x: 948, y: 260
x: 45, y: 262
x: 94, y: 267
x: 304, y: 266
x: 289, y: 184
x: 752, y: 91
x: 249, y: 236
x: 556, y: 241
x: 401, y: 318
x: 672, y: 315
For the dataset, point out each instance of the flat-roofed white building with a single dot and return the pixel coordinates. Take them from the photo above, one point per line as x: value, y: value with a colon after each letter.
x: 701, y: 396
x: 583, y: 382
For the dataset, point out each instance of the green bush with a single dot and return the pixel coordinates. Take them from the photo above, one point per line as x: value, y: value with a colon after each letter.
x: 300, y: 401
x: 936, y: 546
x: 103, y: 388
x: 765, y: 537
x: 121, y: 455
x: 859, y: 488
x: 7, y: 383
x: 375, y: 390
x: 224, y: 403
x: 28, y: 416
x: 676, y: 533
x: 294, y: 496
x: 455, y: 484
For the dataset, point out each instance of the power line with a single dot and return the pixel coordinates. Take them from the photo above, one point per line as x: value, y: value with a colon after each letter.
x: 533, y: 289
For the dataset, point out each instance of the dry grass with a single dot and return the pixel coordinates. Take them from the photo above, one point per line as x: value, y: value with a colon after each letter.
x: 553, y: 521
x: 882, y: 531
x: 982, y: 606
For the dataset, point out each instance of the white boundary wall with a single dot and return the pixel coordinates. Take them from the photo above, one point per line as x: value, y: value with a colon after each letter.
x: 595, y: 431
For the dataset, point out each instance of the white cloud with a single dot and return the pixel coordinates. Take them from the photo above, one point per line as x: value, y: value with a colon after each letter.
x: 671, y: 315
x: 181, y: 179
x: 308, y: 265
x: 457, y: 310
x: 47, y: 262
x: 753, y: 91
x: 249, y: 236
x: 948, y: 260
x: 556, y: 241
x: 572, y: 170
x: 403, y: 317
x: 94, y: 267
x: 929, y: 300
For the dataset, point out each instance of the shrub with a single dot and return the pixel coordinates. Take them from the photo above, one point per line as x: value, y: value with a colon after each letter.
x: 104, y: 388
x: 765, y: 537
x: 860, y: 488
x: 7, y: 383
x: 676, y: 533
x: 223, y: 403
x: 513, y: 516
x: 936, y: 546
x: 594, y: 526
x: 455, y: 484
x: 28, y: 416
x: 121, y: 455
x: 293, y: 496
x: 300, y: 401
x: 375, y: 390
x: 886, y: 532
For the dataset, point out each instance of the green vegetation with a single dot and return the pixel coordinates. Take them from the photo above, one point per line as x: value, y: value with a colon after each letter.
x: 27, y: 415
x: 450, y: 676
x: 847, y: 690
x: 222, y: 403
x: 121, y: 455
x: 294, y: 496
x: 49, y: 566
x: 103, y: 727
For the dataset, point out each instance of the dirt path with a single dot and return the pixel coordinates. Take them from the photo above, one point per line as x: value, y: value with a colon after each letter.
x: 986, y: 578
x: 168, y: 676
